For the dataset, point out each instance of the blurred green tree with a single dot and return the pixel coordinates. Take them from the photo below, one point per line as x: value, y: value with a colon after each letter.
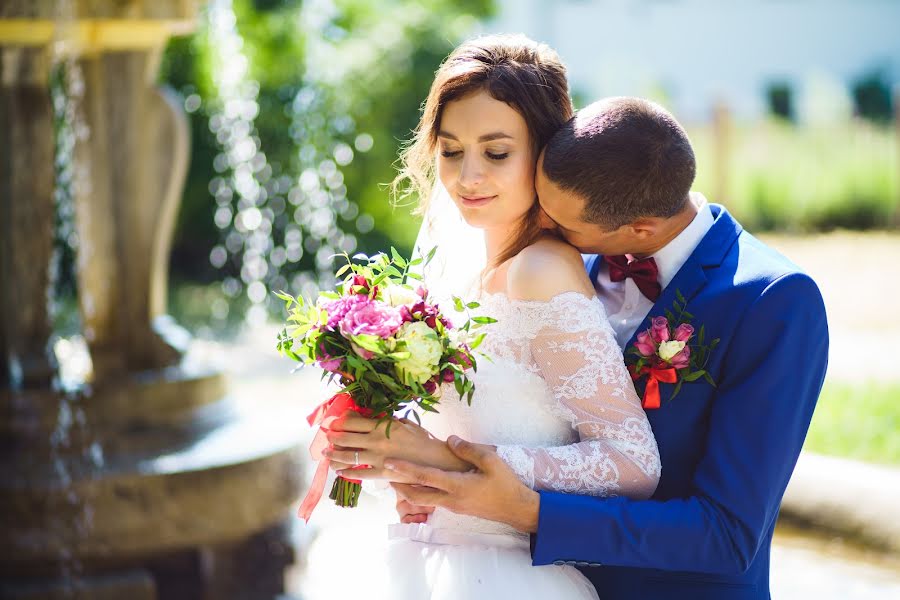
x: 872, y: 96
x: 298, y: 109
x: 780, y: 99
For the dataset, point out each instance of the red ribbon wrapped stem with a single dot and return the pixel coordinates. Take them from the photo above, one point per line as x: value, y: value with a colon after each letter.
x: 323, y: 416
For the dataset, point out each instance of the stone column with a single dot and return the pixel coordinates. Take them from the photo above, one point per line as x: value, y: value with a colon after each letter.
x: 135, y: 158
x: 151, y: 481
x: 26, y: 217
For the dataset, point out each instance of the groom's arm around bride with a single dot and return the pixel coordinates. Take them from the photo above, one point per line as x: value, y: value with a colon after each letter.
x: 727, y: 451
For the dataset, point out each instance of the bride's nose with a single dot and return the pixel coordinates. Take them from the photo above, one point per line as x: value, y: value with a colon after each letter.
x: 471, y: 173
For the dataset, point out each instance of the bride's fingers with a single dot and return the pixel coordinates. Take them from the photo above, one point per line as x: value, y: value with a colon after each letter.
x: 350, y: 440
x: 343, y: 458
x: 352, y: 422
x: 417, y: 494
x: 373, y: 473
x: 407, y: 508
x: 367, y: 474
x: 414, y: 518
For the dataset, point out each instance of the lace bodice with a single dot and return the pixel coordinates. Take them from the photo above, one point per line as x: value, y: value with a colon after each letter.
x: 556, y: 400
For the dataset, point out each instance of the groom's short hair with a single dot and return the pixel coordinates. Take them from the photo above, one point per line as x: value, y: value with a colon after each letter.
x: 627, y: 157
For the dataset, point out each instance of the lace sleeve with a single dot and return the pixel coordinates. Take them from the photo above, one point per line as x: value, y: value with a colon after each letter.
x: 575, y: 351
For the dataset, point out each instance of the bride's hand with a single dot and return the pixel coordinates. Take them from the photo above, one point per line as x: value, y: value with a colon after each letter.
x: 355, y: 437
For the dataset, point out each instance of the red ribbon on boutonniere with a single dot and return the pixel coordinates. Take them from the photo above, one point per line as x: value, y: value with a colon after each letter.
x: 651, y: 391
x: 664, y: 354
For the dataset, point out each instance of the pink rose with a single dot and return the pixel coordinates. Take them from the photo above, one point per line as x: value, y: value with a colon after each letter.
x: 371, y: 318
x: 447, y: 375
x: 461, y: 358
x: 422, y: 292
x: 683, y: 332
x: 659, y: 329
x: 330, y: 364
x: 682, y: 359
x: 327, y: 361
x: 644, y: 344
x: 430, y: 386
x: 405, y: 314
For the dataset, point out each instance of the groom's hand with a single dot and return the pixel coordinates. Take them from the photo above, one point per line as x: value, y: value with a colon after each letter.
x: 491, y: 491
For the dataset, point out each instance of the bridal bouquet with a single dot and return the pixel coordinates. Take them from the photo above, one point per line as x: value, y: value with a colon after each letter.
x: 385, y: 341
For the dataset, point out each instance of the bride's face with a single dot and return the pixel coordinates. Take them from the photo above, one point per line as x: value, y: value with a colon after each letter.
x: 485, y: 160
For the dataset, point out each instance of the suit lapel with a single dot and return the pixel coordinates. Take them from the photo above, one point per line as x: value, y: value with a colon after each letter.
x: 691, y: 278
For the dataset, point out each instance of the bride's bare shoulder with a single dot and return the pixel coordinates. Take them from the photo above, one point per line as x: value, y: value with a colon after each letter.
x: 545, y: 269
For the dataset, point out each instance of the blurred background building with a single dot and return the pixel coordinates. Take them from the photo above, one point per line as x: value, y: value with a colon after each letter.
x: 687, y: 52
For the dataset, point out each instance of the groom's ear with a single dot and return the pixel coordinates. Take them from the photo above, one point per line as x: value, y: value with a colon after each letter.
x: 643, y: 228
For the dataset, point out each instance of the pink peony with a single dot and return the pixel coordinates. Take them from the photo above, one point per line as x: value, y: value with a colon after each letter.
x: 659, y: 329
x: 644, y: 344
x: 338, y: 309
x: 682, y: 359
x: 683, y: 332
x: 371, y: 318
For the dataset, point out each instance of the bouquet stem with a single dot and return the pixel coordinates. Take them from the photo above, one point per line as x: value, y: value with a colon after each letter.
x: 345, y: 493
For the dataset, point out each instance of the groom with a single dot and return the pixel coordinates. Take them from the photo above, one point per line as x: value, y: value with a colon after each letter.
x: 615, y: 182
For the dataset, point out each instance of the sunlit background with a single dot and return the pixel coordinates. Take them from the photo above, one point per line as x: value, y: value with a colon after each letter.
x: 297, y: 110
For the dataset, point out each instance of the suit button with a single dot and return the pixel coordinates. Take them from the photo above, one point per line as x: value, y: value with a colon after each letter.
x: 559, y: 563
x: 581, y: 563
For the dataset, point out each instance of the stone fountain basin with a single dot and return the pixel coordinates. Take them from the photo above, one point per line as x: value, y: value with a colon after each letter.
x: 206, y: 470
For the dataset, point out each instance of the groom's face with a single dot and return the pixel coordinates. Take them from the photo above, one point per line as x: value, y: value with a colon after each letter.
x: 562, y: 211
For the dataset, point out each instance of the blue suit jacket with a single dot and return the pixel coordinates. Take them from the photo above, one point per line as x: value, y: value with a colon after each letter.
x: 727, y: 452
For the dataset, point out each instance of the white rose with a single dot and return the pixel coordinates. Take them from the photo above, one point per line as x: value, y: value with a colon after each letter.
x: 669, y: 349
x: 424, y: 351
x: 397, y: 295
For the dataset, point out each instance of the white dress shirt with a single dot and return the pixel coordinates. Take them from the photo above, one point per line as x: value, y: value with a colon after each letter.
x: 625, y: 305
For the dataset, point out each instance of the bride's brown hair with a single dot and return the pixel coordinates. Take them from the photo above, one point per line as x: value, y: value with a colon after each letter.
x: 526, y: 75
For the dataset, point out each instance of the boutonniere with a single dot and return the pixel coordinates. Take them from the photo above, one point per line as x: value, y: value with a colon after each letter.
x: 669, y: 352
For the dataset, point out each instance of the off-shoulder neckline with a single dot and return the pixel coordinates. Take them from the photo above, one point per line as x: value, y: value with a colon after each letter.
x: 486, y: 296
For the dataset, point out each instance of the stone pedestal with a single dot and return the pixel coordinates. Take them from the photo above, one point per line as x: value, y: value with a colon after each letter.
x: 149, y: 481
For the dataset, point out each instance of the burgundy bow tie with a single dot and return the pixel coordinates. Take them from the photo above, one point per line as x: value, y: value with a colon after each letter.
x: 642, y: 270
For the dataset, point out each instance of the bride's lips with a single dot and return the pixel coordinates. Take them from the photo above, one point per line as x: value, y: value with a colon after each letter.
x: 475, y: 201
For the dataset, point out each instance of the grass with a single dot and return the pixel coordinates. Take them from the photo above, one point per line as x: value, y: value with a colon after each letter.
x: 805, y: 178
x: 860, y: 421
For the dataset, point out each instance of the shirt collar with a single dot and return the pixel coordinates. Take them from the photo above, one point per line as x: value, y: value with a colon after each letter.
x: 671, y: 257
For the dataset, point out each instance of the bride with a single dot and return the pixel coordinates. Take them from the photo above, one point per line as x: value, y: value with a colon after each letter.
x: 555, y: 401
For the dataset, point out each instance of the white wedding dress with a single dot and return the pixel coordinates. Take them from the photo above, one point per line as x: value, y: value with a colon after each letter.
x: 558, y: 403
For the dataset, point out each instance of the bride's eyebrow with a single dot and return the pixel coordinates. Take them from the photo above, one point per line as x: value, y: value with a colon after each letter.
x: 488, y: 137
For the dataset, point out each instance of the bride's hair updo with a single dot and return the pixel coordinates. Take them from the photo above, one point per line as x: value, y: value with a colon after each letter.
x: 526, y: 75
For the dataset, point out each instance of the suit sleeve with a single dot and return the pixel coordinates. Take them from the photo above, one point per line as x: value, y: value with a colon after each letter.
x: 771, y: 378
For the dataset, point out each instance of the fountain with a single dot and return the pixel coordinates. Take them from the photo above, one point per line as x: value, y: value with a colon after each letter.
x: 148, y: 480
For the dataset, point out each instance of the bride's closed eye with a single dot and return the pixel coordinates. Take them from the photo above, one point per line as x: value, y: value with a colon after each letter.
x: 490, y: 155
